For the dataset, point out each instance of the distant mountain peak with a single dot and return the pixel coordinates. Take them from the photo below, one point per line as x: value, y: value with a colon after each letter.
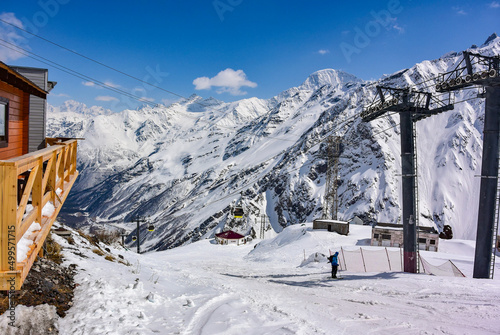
x: 73, y: 106
x: 328, y: 77
x: 490, y: 39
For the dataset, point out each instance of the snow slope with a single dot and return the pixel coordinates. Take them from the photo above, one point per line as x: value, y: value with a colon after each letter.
x: 264, y: 288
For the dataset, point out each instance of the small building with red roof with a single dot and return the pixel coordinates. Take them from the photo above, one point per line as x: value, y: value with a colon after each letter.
x: 230, y: 237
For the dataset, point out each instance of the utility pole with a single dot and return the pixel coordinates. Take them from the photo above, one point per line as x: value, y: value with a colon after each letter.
x: 123, y: 234
x: 139, y: 220
x: 262, y: 225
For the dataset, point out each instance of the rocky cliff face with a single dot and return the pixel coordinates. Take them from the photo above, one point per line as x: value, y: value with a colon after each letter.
x: 186, y: 165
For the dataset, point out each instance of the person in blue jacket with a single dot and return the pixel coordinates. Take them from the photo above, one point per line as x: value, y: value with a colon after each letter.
x: 334, y: 260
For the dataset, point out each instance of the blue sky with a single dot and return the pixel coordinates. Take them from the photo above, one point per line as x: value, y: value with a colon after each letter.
x: 233, y: 49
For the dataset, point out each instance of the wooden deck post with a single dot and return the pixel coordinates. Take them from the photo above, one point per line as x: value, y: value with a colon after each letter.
x: 8, y: 206
x: 37, y: 194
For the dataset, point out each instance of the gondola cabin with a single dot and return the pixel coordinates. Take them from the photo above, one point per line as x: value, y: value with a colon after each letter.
x: 151, y: 227
x: 238, y: 212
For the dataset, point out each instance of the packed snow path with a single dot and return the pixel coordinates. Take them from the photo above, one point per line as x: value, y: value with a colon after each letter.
x: 205, y: 288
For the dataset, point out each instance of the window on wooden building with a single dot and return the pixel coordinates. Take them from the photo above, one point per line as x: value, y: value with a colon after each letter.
x: 4, y: 121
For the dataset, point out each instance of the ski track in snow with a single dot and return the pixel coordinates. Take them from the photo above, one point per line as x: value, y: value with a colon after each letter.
x: 205, y: 288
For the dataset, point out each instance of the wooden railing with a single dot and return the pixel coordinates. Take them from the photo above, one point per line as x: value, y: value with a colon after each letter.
x: 28, y: 184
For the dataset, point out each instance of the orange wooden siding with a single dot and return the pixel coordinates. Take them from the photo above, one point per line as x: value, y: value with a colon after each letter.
x: 18, y: 121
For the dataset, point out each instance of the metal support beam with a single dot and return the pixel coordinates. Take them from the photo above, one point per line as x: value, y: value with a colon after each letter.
x: 138, y: 236
x: 139, y: 220
x: 409, y: 180
x: 380, y: 94
x: 412, y: 106
x: 468, y: 63
x: 488, y: 191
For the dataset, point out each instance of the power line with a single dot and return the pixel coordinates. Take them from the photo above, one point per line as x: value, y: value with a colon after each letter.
x: 250, y: 183
x: 91, y: 59
x: 140, y: 99
x: 115, y: 89
x: 111, y: 68
x: 72, y: 72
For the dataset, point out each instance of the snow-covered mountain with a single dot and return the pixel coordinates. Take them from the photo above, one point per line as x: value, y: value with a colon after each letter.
x: 186, y: 164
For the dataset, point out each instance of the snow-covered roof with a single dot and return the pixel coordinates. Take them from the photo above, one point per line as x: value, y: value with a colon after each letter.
x: 331, y: 221
x: 229, y: 235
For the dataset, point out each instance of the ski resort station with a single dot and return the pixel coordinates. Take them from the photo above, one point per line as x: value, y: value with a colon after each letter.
x: 195, y: 198
x: 230, y: 237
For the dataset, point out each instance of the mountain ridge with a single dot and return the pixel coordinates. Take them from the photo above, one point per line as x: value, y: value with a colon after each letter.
x: 185, y: 169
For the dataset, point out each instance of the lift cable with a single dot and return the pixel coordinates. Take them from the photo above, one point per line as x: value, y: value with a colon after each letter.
x: 72, y: 72
x: 248, y: 184
x: 91, y: 59
x: 114, y: 89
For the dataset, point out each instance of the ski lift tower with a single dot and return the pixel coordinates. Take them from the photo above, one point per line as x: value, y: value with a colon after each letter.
x: 331, y: 198
x: 412, y: 106
x: 476, y: 69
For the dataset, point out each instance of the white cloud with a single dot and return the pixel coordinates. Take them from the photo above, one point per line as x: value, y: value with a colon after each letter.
x: 106, y: 98
x: 228, y: 80
x: 323, y: 51
x: 106, y: 83
x: 111, y: 84
x: 459, y: 11
x: 495, y: 4
x: 12, y: 36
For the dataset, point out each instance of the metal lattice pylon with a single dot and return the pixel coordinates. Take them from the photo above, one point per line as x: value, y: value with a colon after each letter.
x: 331, y: 198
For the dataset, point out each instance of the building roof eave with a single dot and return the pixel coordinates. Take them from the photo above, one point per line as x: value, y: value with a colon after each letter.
x: 19, y: 81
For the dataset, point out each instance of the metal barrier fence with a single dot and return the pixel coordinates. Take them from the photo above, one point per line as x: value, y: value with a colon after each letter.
x: 389, y: 260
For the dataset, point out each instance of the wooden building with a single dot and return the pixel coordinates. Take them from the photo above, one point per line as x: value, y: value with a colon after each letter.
x: 391, y: 235
x: 38, y: 106
x: 30, y: 173
x: 15, y: 94
x: 341, y: 227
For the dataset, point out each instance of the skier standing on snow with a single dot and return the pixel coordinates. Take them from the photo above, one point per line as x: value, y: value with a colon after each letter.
x: 334, y: 260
